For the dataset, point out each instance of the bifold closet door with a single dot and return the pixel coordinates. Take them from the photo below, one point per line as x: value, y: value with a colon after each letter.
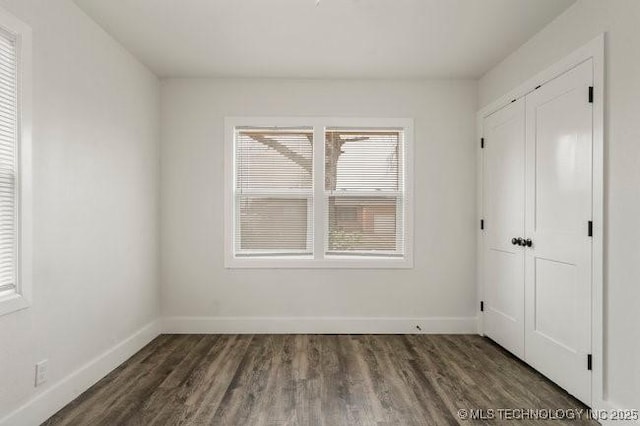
x: 559, y: 146
x: 503, y: 192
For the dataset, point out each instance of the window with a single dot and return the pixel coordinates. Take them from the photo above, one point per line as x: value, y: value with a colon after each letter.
x: 273, y: 191
x: 15, y: 52
x: 318, y: 192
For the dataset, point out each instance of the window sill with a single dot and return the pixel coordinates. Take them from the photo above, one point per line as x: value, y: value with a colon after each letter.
x: 337, y: 262
x: 12, y: 303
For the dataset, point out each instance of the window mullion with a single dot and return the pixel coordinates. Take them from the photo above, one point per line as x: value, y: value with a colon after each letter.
x: 319, y: 210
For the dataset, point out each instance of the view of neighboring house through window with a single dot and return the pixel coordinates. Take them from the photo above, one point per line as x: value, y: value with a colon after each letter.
x: 295, y: 199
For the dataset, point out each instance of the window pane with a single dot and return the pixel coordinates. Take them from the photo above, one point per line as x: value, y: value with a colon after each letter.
x: 274, y: 159
x: 363, y: 160
x: 8, y: 172
x: 363, y: 224
x: 273, y: 225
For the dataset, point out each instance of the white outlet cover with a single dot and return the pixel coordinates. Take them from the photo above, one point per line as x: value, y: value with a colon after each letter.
x: 41, y: 372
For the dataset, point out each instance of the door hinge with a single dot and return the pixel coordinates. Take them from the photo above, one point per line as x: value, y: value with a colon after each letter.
x: 590, y: 228
x: 590, y: 94
x: 481, y: 306
x: 481, y: 143
x: 481, y: 223
x: 589, y: 362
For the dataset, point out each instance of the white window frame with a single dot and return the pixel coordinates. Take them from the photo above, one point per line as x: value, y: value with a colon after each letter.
x: 21, y: 297
x: 320, y: 216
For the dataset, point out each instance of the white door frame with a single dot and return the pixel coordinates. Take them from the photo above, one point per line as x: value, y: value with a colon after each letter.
x: 593, y: 50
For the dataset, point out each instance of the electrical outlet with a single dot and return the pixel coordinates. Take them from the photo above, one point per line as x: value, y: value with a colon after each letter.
x: 41, y: 372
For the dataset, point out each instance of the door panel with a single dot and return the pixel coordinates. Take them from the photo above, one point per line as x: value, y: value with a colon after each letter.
x: 504, y: 219
x: 556, y: 283
x: 562, y: 164
x: 559, y: 205
x: 506, y: 270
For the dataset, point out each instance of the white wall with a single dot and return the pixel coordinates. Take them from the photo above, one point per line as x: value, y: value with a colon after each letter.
x: 95, y: 201
x: 579, y: 24
x: 194, y: 280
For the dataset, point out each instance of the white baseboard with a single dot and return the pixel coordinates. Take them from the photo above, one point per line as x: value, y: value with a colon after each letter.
x: 44, y: 405
x: 319, y: 325
x: 606, y: 411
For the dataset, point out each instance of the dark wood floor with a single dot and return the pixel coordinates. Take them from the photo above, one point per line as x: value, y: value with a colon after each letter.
x: 312, y: 380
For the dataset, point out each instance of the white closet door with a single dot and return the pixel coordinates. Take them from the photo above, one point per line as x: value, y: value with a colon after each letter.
x: 559, y: 206
x: 504, y: 168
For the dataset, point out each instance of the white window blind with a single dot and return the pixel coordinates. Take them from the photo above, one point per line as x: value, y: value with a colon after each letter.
x: 273, y: 191
x: 364, y: 186
x: 307, y: 192
x: 8, y: 161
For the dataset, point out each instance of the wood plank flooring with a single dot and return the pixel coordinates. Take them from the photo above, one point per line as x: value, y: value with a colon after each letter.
x: 313, y: 380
